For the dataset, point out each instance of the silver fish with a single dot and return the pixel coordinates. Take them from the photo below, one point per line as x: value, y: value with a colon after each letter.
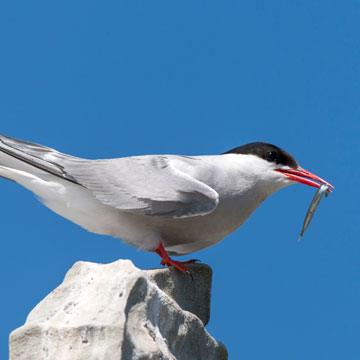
x: 323, y: 189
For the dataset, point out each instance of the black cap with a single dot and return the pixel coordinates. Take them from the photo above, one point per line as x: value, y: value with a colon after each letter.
x: 268, y: 152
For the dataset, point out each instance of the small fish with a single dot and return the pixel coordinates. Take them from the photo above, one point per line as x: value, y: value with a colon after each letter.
x: 323, y: 189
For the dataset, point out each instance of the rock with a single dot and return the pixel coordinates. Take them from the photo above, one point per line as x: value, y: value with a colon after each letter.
x: 117, y: 311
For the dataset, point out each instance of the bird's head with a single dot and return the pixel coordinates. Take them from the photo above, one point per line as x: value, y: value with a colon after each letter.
x: 277, y: 165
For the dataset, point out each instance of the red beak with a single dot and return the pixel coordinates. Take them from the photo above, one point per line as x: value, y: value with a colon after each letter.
x: 301, y: 175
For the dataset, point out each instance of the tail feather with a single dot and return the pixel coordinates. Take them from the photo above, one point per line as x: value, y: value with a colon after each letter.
x: 17, y: 153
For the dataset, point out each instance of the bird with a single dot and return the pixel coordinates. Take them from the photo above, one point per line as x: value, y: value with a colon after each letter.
x: 168, y: 204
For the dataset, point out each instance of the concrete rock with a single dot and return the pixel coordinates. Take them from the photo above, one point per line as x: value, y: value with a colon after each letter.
x: 117, y: 311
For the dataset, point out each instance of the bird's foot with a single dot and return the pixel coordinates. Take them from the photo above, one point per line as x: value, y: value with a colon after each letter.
x: 167, y: 261
x: 180, y: 265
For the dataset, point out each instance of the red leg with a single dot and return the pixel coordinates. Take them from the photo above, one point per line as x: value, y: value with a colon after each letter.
x: 166, y: 260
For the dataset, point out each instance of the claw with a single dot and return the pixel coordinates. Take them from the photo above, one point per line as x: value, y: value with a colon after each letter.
x: 167, y: 261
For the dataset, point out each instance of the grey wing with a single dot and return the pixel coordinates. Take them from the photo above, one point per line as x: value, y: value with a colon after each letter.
x: 148, y: 185
x: 38, y: 156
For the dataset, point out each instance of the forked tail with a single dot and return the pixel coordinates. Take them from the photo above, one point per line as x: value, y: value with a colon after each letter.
x: 32, y: 158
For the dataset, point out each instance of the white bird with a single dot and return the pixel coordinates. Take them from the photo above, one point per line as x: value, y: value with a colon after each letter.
x: 168, y: 204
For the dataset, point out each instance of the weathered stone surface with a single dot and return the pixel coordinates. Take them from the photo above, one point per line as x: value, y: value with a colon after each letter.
x: 117, y: 311
x: 191, y: 294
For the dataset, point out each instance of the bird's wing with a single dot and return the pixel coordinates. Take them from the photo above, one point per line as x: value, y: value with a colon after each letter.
x: 40, y: 157
x: 148, y: 185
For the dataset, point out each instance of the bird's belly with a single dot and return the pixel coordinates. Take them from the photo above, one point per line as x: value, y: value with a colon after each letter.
x: 187, y: 235
x: 179, y: 235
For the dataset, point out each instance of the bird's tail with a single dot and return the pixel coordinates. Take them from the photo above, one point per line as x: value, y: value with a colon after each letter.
x: 30, y: 158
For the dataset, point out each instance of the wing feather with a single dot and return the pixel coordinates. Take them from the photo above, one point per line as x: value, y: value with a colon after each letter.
x: 148, y: 185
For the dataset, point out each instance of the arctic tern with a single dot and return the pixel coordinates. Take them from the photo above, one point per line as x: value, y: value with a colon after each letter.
x: 168, y: 204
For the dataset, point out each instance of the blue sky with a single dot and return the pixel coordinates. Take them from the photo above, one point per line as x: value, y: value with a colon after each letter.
x: 110, y: 79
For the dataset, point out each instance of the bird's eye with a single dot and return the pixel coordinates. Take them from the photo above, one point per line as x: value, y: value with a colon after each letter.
x: 270, y: 156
